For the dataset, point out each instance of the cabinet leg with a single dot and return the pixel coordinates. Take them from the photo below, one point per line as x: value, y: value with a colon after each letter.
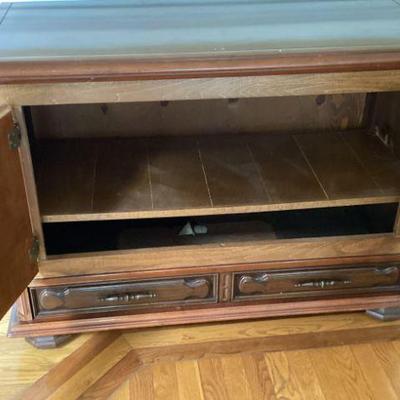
x: 385, y: 314
x: 48, y: 342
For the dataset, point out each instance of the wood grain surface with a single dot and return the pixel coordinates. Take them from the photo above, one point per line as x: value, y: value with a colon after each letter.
x: 205, y: 175
x: 338, y: 356
x: 17, y: 267
x: 296, y: 84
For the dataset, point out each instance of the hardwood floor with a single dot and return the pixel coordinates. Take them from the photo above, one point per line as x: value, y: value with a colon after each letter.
x: 343, y: 356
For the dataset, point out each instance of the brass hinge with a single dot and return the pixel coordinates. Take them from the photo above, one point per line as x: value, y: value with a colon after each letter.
x: 14, y: 137
x: 34, y: 250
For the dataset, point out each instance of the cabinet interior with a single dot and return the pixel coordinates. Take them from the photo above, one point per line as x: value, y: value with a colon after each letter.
x: 129, y: 175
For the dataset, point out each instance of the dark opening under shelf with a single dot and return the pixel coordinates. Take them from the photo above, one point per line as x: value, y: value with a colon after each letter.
x: 89, y: 236
x: 87, y: 179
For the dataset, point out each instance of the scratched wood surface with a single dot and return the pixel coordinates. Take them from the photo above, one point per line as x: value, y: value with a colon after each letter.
x: 54, y: 30
x: 344, y: 356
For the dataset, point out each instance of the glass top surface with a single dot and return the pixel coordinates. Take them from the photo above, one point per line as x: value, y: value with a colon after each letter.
x: 182, y: 28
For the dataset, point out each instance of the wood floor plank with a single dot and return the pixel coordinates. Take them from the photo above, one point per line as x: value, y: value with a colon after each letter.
x: 258, y: 376
x: 141, y: 385
x: 235, y: 380
x: 68, y: 367
x: 212, y: 379
x: 22, y: 365
x: 305, y: 375
x: 231, y: 172
x: 293, y: 376
x: 165, y: 381
x: 177, y: 178
x: 276, y: 153
x: 388, y: 354
x: 259, y: 329
x: 114, y: 377
x: 65, y: 175
x: 122, y: 176
x: 122, y: 393
x: 339, y: 374
x: 337, y: 168
x: 377, y: 159
x: 368, y: 361
x: 189, y: 384
x: 92, y: 371
x: 205, y: 356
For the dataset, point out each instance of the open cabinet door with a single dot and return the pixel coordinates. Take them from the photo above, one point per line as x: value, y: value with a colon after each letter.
x: 18, y: 265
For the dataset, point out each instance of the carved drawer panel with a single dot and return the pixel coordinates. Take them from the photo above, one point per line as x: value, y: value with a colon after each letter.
x: 126, y: 295
x: 316, y: 282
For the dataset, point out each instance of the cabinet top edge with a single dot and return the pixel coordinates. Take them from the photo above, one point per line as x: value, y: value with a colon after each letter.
x: 130, y: 69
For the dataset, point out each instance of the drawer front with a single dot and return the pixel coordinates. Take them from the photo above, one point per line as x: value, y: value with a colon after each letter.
x: 127, y: 295
x: 288, y: 284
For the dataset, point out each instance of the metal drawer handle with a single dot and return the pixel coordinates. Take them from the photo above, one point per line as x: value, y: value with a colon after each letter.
x: 323, y: 283
x: 128, y: 297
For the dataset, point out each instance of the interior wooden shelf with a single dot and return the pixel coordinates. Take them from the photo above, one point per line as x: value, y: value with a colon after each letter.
x: 86, y: 179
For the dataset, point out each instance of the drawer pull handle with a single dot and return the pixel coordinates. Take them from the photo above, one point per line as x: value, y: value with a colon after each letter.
x: 128, y: 297
x: 323, y: 283
x: 250, y: 285
x: 387, y: 271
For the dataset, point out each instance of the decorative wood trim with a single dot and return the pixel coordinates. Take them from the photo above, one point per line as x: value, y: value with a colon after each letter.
x: 226, y: 313
x: 226, y: 269
x: 179, y: 261
x: 225, y: 287
x: 24, y: 307
x: 178, y: 68
x: 200, y: 88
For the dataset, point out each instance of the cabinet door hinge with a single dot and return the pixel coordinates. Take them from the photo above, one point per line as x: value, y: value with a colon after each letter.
x: 34, y: 250
x: 14, y: 137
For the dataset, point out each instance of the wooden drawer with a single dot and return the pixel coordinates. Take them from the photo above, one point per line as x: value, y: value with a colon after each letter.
x: 303, y: 283
x: 126, y: 295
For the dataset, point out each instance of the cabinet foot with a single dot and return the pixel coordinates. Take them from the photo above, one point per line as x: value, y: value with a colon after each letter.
x: 48, y: 342
x: 385, y: 314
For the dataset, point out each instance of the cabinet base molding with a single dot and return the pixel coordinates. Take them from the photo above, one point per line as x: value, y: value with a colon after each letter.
x: 48, y: 342
x: 209, y: 314
x: 385, y: 314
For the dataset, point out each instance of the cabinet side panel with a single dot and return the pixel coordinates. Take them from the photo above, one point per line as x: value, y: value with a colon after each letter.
x: 387, y: 121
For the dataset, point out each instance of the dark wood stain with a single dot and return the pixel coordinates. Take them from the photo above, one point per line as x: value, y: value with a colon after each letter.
x: 232, y: 175
x: 122, y: 176
x: 276, y: 153
x: 177, y: 178
x: 336, y: 166
x: 66, y: 174
x: 378, y: 160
